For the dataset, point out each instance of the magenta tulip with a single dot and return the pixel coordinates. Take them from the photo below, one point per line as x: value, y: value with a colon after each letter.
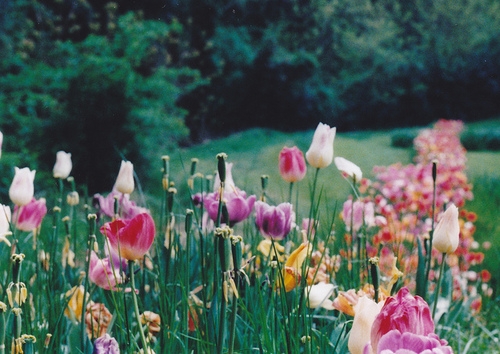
x: 396, y: 342
x: 30, y: 216
x: 238, y: 206
x: 404, y: 313
x: 131, y: 238
x: 292, y: 164
x: 274, y: 221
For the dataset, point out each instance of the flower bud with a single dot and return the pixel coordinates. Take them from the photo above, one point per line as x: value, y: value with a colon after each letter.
x: 22, y: 188
x: 292, y: 164
x: 349, y: 168
x: 320, y: 153
x: 125, y: 180
x: 63, y: 165
x: 446, y: 234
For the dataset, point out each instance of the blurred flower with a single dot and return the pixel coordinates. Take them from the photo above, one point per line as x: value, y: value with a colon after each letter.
x: 125, y: 180
x: 271, y: 252
x: 97, y: 320
x: 106, y: 345
x: 132, y: 238
x: 229, y: 182
x: 349, y: 168
x: 292, y: 164
x: 358, y: 214
x: 293, y: 267
x: 365, y: 312
x: 5, y: 216
x: 127, y: 208
x: 152, y: 321
x: 396, y: 342
x: 1, y: 142
x: 238, y: 206
x: 73, y: 198
x: 405, y: 313
x: 319, y: 295
x: 75, y: 304
x: 274, y: 221
x: 63, y: 165
x: 22, y: 188
x: 320, y: 153
x: 30, y: 216
x: 104, y: 274
x: 446, y: 234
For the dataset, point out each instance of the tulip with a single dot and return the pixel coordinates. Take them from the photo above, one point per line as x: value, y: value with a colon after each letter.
x: 319, y: 294
x: 106, y: 345
x: 5, y: 216
x: 365, y: 312
x: 1, y: 142
x: 228, y: 181
x: 104, y: 274
x: 131, y: 238
x: 292, y: 165
x: 274, y: 221
x: 97, y: 320
x: 22, y: 188
x: 128, y: 208
x: 446, y: 234
x: 320, y: 153
x: 125, y: 180
x: 396, y: 342
x: 405, y: 313
x: 75, y: 303
x: 349, y: 168
x: 238, y: 206
x: 293, y: 267
x: 63, y: 165
x: 30, y: 216
x: 358, y: 214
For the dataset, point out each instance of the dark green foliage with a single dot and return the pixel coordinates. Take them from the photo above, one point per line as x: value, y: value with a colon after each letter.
x: 403, y: 139
x: 481, y: 139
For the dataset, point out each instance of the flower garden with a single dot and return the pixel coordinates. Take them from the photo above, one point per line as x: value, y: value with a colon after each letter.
x: 394, y: 268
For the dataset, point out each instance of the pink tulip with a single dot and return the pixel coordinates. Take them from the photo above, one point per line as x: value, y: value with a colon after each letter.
x: 131, y: 238
x: 104, y: 274
x: 409, y: 343
x: 358, y: 214
x: 30, y: 216
x: 404, y: 313
x: 22, y: 188
x: 127, y: 207
x: 274, y: 221
x: 320, y: 153
x: 5, y: 217
x: 292, y: 164
x: 238, y: 205
x: 63, y: 165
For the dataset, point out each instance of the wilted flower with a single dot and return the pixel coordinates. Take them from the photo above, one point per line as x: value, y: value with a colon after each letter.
x: 75, y: 304
x: 319, y: 295
x: 30, y: 216
x: 106, y: 345
x: 320, y: 153
x: 22, y: 188
x: 349, y: 168
x: 63, y: 165
x: 446, y: 234
x: 274, y: 221
x: 17, y: 294
x: 73, y: 198
x: 292, y: 164
x: 131, y: 238
x: 125, y: 180
x: 152, y: 321
x: 97, y: 320
x: 365, y: 312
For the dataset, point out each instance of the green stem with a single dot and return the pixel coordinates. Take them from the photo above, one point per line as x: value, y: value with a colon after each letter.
x: 91, y: 240
x: 136, y: 308
x: 438, y: 286
x: 428, y: 247
x: 311, y: 210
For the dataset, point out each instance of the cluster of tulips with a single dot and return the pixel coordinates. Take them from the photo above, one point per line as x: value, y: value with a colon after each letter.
x: 399, y: 230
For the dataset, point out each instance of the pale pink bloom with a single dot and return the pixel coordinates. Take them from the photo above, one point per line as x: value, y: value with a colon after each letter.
x: 320, y: 153
x: 126, y: 207
x: 229, y: 182
x: 63, y: 165
x: 446, y: 234
x: 5, y: 217
x: 395, y: 342
x: 1, y: 142
x: 22, y: 188
x: 292, y: 165
x: 365, y: 312
x: 238, y: 206
x: 358, y: 214
x: 274, y: 221
x: 125, y: 180
x: 349, y: 168
x: 106, y: 274
x: 30, y: 216
x: 318, y: 295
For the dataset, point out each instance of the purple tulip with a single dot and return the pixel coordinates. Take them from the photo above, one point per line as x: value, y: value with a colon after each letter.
x: 106, y: 345
x: 274, y: 221
x: 238, y: 205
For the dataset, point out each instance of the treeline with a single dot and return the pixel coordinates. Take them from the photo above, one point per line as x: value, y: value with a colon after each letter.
x: 132, y: 78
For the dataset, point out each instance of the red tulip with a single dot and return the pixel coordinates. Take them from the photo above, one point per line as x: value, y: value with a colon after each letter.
x: 292, y: 164
x: 131, y: 238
